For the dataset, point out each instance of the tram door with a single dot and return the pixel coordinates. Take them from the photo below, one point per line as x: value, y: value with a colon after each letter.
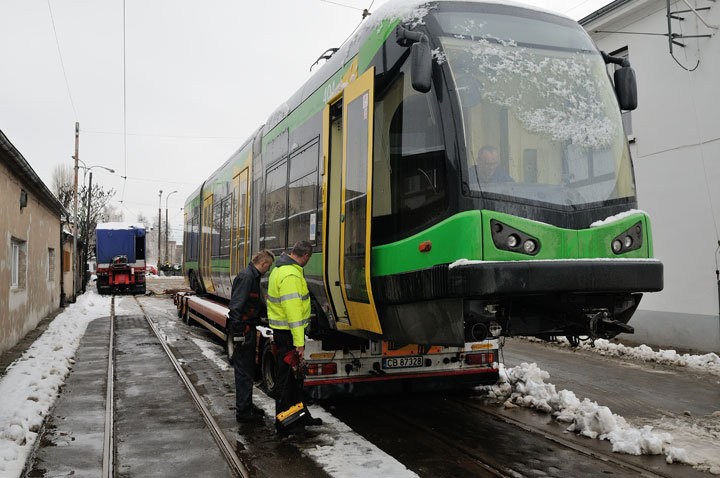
x: 206, y: 238
x: 348, y: 196
x: 239, y: 249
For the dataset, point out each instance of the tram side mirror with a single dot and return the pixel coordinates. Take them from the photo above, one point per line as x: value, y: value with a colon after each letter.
x: 626, y: 88
x: 421, y: 66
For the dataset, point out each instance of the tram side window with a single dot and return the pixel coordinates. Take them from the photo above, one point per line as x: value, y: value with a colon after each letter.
x: 216, y: 228
x: 275, y: 225
x: 225, y: 226
x: 192, y: 252
x: 302, y: 220
x: 409, y: 175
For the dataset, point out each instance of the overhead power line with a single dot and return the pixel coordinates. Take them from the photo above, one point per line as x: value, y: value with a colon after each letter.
x: 177, y: 136
x: 62, y: 63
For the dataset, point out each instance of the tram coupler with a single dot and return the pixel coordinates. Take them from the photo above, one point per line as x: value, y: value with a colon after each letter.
x: 602, y: 325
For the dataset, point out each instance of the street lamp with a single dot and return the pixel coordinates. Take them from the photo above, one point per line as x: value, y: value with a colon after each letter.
x: 167, y: 259
x: 88, y: 168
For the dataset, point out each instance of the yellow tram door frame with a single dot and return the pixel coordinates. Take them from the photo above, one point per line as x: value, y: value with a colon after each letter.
x: 206, y: 237
x: 356, y: 203
x: 241, y: 207
x: 186, y: 233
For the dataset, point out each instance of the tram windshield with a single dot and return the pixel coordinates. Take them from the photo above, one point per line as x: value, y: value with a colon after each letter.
x: 540, y: 118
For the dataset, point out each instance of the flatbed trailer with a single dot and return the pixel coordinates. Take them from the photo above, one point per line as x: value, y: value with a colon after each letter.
x: 357, y: 367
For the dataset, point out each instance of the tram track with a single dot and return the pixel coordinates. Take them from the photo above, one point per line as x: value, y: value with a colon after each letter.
x: 235, y: 464
x: 559, y: 440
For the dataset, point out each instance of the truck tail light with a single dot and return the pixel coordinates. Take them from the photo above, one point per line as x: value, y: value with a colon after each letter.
x: 478, y: 359
x: 322, y: 368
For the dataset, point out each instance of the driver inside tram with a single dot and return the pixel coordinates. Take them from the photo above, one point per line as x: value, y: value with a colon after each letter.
x: 488, y: 168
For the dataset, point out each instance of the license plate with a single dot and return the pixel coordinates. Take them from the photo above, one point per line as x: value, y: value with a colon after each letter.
x: 402, y: 362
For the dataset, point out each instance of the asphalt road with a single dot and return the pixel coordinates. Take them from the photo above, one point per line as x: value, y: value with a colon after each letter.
x: 635, y: 390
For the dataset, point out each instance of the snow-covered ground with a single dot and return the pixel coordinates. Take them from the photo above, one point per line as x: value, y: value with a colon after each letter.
x: 709, y: 362
x: 693, y: 444
x: 31, y: 383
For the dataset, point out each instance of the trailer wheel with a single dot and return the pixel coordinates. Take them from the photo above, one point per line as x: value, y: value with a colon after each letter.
x: 186, y: 314
x: 269, y: 371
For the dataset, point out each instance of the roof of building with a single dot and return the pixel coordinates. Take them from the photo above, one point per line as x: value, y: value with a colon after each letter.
x: 17, y: 163
x: 603, y: 11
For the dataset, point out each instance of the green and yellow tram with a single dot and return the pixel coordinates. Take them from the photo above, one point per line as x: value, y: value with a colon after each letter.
x: 462, y: 172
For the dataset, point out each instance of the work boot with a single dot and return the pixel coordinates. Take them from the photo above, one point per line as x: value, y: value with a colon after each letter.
x: 250, y: 416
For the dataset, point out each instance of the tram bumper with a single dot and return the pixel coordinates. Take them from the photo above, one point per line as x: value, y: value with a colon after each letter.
x: 493, y: 279
x: 537, y: 297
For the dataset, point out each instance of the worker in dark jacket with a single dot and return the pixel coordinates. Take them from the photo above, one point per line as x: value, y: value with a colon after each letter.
x: 289, y: 316
x: 247, y: 305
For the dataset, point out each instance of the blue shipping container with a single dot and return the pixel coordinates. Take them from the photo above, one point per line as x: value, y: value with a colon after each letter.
x: 117, y: 242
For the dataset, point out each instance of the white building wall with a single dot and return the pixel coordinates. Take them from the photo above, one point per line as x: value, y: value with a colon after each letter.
x: 676, y: 153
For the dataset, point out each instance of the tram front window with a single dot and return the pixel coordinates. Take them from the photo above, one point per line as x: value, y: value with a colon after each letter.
x: 540, y: 117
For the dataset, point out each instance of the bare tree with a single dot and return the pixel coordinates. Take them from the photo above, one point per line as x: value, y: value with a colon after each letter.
x: 63, y: 181
x: 111, y: 213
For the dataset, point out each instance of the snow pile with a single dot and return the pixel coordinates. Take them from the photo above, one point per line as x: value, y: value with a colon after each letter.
x: 30, y: 386
x: 709, y: 362
x: 525, y: 386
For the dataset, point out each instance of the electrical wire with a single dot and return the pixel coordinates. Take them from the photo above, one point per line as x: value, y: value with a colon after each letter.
x: 122, y: 197
x: 233, y: 138
x: 62, y: 63
x: 344, y: 5
x: 700, y: 144
x: 672, y: 54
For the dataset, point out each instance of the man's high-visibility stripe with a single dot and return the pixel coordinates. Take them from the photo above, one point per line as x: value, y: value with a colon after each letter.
x: 292, y: 325
x: 295, y: 295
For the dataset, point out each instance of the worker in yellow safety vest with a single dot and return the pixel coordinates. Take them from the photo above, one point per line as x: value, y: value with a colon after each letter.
x: 288, y: 305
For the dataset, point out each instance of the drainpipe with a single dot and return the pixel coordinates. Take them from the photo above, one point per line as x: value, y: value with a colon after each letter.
x: 62, y: 267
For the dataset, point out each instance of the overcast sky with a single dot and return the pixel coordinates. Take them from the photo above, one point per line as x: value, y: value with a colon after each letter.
x: 200, y: 77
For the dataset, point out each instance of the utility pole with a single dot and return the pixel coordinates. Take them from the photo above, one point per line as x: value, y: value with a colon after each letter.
x: 87, y: 233
x: 159, y: 230
x: 75, y: 227
x: 167, y: 258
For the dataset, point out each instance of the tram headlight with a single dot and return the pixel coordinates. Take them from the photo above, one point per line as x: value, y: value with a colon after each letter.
x: 508, y: 238
x: 629, y: 240
x: 529, y: 246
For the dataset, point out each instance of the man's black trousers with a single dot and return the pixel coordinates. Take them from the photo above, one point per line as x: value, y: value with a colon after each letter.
x: 289, y: 390
x: 244, y: 364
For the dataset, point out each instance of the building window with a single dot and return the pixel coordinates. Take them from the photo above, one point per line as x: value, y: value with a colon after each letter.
x: 18, y: 263
x: 626, y: 115
x: 67, y: 261
x: 51, y: 264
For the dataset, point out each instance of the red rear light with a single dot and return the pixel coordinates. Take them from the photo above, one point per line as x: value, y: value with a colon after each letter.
x: 478, y: 359
x: 322, y: 368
